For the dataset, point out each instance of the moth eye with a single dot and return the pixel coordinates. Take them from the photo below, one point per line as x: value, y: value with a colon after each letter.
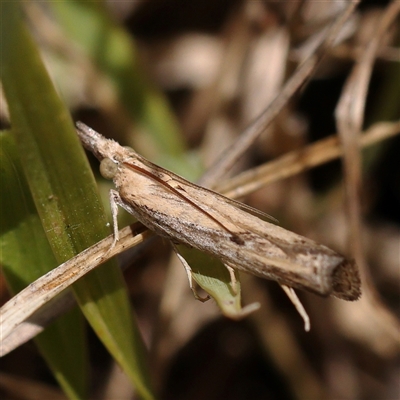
x: 108, y: 168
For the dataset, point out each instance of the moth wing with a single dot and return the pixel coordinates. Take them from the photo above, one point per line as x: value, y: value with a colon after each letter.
x: 232, y: 202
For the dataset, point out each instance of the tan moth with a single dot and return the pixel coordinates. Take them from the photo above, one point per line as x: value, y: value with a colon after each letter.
x: 186, y: 213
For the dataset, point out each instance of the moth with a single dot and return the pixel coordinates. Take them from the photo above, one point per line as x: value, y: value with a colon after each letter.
x: 189, y: 214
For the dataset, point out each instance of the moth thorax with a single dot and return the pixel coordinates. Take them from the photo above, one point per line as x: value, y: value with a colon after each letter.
x: 108, y: 168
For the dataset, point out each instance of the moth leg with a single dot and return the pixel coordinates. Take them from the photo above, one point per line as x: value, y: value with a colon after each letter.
x: 189, y: 275
x: 234, y: 282
x: 115, y: 199
x: 297, y: 303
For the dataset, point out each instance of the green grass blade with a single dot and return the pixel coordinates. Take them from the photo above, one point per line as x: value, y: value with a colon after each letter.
x: 25, y: 255
x: 64, y: 192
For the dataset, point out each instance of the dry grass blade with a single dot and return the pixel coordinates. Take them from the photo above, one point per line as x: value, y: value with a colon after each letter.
x: 255, y: 129
x: 19, y: 323
x: 350, y: 118
x: 301, y: 160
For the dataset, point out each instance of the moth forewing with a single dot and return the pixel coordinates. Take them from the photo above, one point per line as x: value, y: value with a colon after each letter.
x: 189, y: 214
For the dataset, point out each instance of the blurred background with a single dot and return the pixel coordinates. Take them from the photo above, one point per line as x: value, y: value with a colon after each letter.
x: 179, y: 81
